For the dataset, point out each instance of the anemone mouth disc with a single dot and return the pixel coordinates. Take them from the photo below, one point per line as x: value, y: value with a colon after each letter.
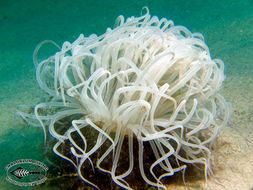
x: 145, y: 79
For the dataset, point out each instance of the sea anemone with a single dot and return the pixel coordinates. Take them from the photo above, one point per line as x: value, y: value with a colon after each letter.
x: 145, y: 81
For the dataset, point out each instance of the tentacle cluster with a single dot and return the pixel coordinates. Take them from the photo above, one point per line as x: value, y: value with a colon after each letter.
x: 145, y: 79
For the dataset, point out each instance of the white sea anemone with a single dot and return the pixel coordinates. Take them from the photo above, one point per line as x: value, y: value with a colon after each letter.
x: 145, y: 79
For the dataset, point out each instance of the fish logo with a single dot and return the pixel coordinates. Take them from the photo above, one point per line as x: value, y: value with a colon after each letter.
x: 26, y: 172
x: 20, y: 172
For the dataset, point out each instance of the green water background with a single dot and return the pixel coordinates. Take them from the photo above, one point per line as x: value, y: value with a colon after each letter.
x: 226, y: 25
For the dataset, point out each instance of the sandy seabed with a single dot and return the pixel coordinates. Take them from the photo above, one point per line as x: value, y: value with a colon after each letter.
x: 232, y: 154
